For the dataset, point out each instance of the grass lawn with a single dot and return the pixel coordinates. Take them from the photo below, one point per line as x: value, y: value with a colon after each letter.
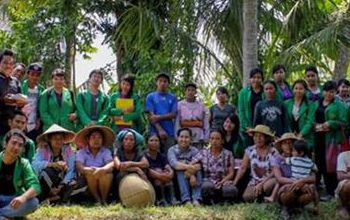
x: 239, y: 211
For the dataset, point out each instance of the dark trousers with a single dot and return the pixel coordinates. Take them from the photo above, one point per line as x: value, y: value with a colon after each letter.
x: 330, y: 179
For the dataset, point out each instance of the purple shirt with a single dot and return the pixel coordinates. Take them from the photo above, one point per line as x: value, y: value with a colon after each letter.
x: 286, y: 92
x: 215, y: 167
x: 103, y: 157
x: 193, y: 111
x: 280, y: 162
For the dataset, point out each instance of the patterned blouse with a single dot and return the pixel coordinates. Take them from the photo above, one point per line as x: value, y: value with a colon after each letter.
x: 215, y: 167
x: 260, y: 167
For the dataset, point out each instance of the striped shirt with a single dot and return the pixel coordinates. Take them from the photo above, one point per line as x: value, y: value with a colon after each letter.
x: 301, y: 167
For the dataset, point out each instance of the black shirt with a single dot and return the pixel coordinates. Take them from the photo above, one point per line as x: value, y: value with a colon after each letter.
x: 59, y: 98
x: 6, y: 179
x: 159, y: 162
x: 320, y: 113
x: 255, y: 98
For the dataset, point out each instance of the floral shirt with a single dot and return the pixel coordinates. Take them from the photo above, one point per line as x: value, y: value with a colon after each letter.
x: 215, y: 167
x: 260, y: 167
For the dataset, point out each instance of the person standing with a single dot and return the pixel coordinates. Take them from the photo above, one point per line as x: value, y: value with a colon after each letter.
x: 92, y: 103
x: 191, y: 113
x: 161, y: 107
x: 32, y: 88
x: 9, y: 87
x: 279, y: 75
x: 314, y: 90
x: 57, y: 104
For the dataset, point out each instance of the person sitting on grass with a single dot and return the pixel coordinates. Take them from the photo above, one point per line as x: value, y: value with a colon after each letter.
x: 93, y: 161
x: 299, y: 189
x: 217, y: 164
x: 179, y: 157
x: 285, y: 147
x: 160, y: 173
x: 258, y: 158
x: 54, y: 163
x: 342, y: 192
x: 128, y: 156
x: 19, y: 184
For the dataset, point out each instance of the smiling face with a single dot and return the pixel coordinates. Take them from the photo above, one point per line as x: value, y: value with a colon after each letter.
x: 19, y: 122
x: 228, y: 125
x: 299, y: 90
x: 96, y: 79
x: 259, y: 139
x: 343, y: 90
x: 125, y: 87
x: 56, y: 141
x: 311, y: 78
x: 256, y: 80
x: 184, y: 139
x: 329, y: 95
x: 6, y: 65
x: 58, y: 81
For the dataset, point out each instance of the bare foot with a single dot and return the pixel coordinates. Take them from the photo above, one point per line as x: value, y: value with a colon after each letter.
x: 269, y: 199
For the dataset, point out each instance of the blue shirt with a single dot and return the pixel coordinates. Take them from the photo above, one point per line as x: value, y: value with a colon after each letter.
x: 161, y: 104
x: 176, y: 154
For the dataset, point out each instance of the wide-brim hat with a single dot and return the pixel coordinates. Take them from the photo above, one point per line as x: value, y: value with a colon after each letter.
x: 56, y: 129
x: 287, y: 136
x: 108, y: 135
x: 263, y: 129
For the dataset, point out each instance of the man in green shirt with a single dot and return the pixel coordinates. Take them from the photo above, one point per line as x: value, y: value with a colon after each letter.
x: 19, y: 184
x: 92, y: 103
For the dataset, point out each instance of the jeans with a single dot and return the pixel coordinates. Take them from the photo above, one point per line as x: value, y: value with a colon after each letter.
x: 6, y: 211
x: 184, y: 186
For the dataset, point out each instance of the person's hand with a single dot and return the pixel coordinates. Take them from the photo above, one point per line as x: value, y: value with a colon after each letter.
x: 61, y: 165
x: 296, y: 185
x: 128, y: 110
x: 193, y: 181
x: 124, y: 165
x: 88, y: 171
x: 219, y: 184
x: 18, y: 201
x: 141, y: 174
x: 72, y: 117
x: 154, y: 118
x: 250, y: 132
x: 98, y: 171
x: 163, y: 135
x: 325, y: 126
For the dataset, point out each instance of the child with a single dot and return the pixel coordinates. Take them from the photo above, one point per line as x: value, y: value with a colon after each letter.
x: 160, y: 172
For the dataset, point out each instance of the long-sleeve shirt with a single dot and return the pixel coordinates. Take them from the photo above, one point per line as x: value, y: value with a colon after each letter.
x: 176, y: 154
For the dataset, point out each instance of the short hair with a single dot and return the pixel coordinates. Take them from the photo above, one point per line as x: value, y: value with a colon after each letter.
x: 255, y: 71
x: 311, y: 68
x: 343, y: 81
x: 269, y: 81
x: 301, y: 146
x: 17, y: 112
x: 14, y: 132
x: 97, y: 71
x: 58, y: 71
x: 222, y: 90
x: 21, y: 64
x: 194, y: 85
x: 330, y: 85
x: 184, y: 129
x: 278, y: 67
x: 7, y: 52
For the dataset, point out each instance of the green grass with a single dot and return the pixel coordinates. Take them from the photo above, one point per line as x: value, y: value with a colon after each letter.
x: 238, y: 211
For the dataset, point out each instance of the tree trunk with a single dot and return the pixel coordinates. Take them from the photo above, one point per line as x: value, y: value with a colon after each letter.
x: 119, y: 56
x: 342, y: 64
x: 68, y: 60
x: 250, y: 37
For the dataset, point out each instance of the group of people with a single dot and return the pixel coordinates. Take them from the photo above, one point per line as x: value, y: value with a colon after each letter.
x: 281, y: 143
